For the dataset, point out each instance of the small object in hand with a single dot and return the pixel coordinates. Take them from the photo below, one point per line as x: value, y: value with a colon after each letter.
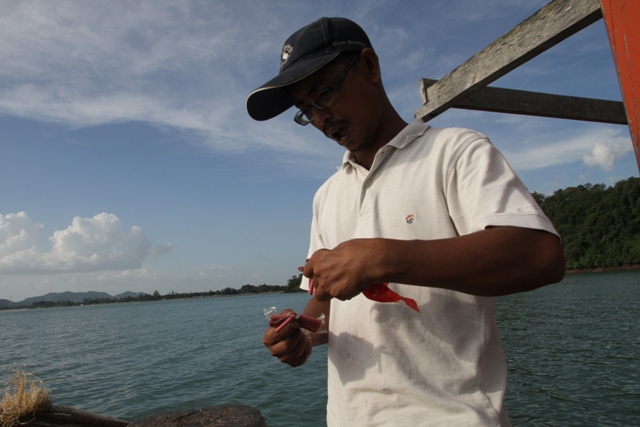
x: 382, y: 293
x: 288, y: 320
x: 310, y: 281
x: 309, y: 323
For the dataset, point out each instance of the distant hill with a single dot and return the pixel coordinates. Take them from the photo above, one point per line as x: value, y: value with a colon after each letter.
x: 5, y: 303
x: 75, y: 297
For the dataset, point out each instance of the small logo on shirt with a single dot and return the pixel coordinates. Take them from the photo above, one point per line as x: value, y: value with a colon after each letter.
x: 410, y: 218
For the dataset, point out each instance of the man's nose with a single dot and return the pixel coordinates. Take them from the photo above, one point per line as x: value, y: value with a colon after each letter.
x: 321, y: 116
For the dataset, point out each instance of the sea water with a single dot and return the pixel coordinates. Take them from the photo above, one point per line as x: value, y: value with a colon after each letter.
x: 573, y: 350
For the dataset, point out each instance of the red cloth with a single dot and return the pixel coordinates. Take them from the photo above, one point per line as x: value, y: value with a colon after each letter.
x: 382, y: 293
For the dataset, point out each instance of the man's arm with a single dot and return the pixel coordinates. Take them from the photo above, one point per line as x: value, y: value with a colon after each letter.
x: 492, y: 262
x: 291, y: 345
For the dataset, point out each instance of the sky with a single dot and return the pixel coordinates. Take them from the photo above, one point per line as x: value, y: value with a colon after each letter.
x: 128, y: 161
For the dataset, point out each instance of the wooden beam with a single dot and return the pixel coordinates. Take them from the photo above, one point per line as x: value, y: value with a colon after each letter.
x: 621, y: 18
x: 499, y: 100
x: 550, y: 25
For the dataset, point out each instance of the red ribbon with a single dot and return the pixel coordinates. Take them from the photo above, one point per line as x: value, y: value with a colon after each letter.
x: 382, y: 293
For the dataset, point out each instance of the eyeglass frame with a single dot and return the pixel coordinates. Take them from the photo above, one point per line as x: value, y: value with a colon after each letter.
x: 301, y: 118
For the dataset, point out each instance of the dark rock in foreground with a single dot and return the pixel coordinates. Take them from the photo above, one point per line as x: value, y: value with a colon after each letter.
x: 211, y: 416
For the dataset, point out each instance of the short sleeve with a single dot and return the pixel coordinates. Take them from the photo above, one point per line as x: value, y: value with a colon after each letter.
x: 483, y: 191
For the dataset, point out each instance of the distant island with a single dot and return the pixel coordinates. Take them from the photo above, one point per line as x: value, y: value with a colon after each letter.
x: 69, y: 299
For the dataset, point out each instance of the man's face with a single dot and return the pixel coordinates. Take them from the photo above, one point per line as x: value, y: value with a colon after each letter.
x: 349, y: 117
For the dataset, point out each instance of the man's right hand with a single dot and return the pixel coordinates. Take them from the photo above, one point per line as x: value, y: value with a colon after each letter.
x: 290, y: 344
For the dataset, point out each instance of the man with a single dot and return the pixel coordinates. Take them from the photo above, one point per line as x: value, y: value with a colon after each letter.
x: 436, y: 213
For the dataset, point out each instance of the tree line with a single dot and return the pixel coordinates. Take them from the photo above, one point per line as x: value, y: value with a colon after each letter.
x: 599, y: 225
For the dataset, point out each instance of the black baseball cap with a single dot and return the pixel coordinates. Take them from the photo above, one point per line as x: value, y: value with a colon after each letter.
x: 305, y: 52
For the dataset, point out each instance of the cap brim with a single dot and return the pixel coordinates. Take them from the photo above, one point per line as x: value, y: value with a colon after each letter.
x: 274, y: 97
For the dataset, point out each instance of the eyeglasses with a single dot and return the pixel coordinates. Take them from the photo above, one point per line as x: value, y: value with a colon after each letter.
x: 322, y: 100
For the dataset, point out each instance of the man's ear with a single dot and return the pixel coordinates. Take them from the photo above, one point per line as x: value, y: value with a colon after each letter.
x: 371, y: 64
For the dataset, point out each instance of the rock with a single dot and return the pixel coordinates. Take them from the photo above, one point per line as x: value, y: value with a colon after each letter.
x: 211, y: 416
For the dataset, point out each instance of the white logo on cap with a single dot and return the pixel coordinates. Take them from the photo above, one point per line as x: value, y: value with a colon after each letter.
x: 286, y: 53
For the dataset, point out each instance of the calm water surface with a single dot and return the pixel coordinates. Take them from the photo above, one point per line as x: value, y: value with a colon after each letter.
x: 573, y: 351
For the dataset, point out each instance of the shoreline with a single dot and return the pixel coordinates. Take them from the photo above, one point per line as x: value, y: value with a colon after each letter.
x: 17, y: 306
x: 602, y: 269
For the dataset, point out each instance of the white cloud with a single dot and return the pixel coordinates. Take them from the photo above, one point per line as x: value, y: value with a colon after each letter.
x: 594, y: 146
x: 88, y: 244
x: 17, y: 233
x: 603, y: 154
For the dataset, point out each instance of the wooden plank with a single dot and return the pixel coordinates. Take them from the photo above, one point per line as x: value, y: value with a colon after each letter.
x: 621, y: 18
x: 553, y: 23
x: 499, y: 100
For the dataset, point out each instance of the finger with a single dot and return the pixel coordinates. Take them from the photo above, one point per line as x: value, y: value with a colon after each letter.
x: 292, y: 350
x: 283, y: 347
x: 304, y: 356
x: 299, y: 351
x: 341, y: 290
x: 270, y: 338
x: 308, y: 270
x: 321, y: 291
x: 281, y: 331
x: 279, y: 347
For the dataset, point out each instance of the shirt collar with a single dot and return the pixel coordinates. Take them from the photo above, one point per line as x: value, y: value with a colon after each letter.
x: 410, y: 133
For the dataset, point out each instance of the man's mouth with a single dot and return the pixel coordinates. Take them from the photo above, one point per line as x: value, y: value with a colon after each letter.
x: 338, y: 133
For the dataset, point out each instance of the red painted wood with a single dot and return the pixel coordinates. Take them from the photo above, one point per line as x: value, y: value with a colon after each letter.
x: 622, y: 18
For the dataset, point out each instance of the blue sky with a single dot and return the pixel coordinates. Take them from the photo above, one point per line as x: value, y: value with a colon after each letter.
x: 128, y: 162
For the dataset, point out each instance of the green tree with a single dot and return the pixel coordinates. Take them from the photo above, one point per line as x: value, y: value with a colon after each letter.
x: 293, y: 284
x: 599, y: 226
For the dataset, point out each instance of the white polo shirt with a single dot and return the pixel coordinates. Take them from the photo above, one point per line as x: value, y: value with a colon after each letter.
x: 389, y: 365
